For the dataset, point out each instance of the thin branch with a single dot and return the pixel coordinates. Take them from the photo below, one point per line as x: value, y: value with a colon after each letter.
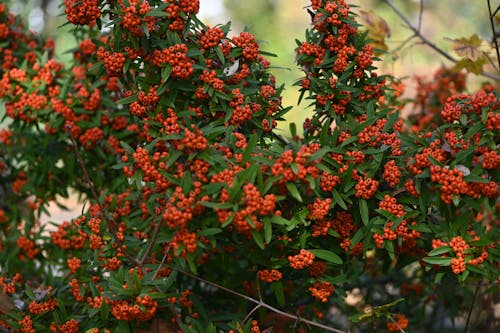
x: 280, y: 139
x: 495, y: 39
x: 428, y: 42
x: 251, y: 312
x: 260, y: 303
x: 496, y: 11
x: 420, y: 14
x: 469, y: 314
x: 403, y: 43
x: 156, y: 231
x: 162, y: 262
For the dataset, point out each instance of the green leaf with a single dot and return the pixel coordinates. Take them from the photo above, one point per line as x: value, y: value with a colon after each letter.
x: 157, y: 13
x: 438, y: 261
x: 363, y: 210
x: 279, y: 293
x: 292, y: 188
x: 279, y: 220
x: 293, y: 130
x: 249, y: 148
x: 327, y: 255
x: 462, y: 277
x: 209, y: 231
x: 439, y: 277
x: 127, y: 100
x: 258, y: 239
x: 462, y: 155
x: 338, y: 199
x: 268, y: 231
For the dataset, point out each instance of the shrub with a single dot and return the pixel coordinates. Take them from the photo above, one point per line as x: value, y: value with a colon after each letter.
x: 199, y: 218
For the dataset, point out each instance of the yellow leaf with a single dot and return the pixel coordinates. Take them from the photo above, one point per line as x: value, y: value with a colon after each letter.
x: 469, y: 48
x: 375, y: 24
x: 378, y: 29
x: 475, y: 67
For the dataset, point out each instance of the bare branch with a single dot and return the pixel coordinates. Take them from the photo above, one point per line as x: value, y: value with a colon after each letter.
x: 420, y: 14
x: 429, y: 43
x: 495, y: 39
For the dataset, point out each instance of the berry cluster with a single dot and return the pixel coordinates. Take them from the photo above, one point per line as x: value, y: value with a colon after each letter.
x: 301, y: 260
x: 82, y: 12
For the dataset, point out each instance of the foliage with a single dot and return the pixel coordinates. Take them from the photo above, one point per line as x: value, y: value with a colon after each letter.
x: 195, y: 208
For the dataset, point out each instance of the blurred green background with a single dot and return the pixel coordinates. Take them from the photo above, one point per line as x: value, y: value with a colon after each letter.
x: 277, y: 23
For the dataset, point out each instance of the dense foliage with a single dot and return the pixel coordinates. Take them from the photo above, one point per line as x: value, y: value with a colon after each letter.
x: 198, y: 217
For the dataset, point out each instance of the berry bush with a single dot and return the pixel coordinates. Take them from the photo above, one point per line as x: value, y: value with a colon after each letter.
x: 198, y: 217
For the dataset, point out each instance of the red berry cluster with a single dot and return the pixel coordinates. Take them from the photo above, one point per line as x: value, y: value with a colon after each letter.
x: 135, y: 17
x: 321, y: 290
x: 267, y: 275
x: 82, y: 12
x: 176, y: 57
x: 301, y: 260
x: 366, y: 187
x: 250, y: 48
x: 401, y: 323
x: 391, y: 173
x: 210, y: 37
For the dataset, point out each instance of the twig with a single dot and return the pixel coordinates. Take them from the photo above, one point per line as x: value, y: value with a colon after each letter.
x: 251, y: 312
x: 428, y: 42
x: 162, y: 262
x: 260, y: 303
x: 420, y: 14
x: 495, y: 39
x: 496, y: 10
x: 156, y: 231
x: 280, y: 139
x: 469, y: 314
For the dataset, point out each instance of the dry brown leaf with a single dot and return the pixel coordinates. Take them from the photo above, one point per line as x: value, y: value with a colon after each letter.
x: 469, y: 48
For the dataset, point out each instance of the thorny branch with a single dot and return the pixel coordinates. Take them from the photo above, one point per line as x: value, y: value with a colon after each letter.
x: 426, y: 41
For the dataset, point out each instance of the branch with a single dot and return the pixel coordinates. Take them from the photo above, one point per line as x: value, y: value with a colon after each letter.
x: 495, y: 39
x: 151, y: 243
x: 469, y: 314
x: 429, y: 43
x: 260, y: 303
